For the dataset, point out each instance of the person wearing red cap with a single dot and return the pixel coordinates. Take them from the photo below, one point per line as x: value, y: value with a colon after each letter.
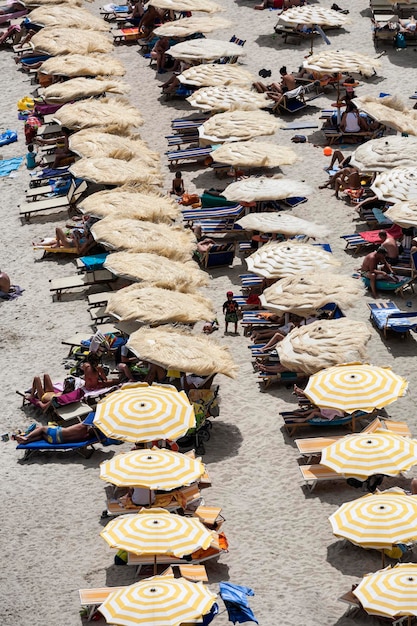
x: 231, y: 311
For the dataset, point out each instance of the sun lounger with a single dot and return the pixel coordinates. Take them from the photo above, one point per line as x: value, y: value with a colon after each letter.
x: 386, y: 316
x: 126, y: 35
x: 80, y: 280
x: 210, y: 516
x: 334, y: 135
x: 181, y: 499
x: 214, y: 227
x: 189, y: 154
x: 179, y: 140
x: 313, y: 474
x: 232, y: 59
x: 187, y: 125
x: 354, y: 605
x: 52, y: 204
x: 219, y: 255
x: 291, y: 425
x: 356, y: 243
x: 219, y: 212
x: 292, y: 101
x: 266, y: 379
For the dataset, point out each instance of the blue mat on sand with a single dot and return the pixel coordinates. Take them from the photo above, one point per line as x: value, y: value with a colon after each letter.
x: 9, y: 165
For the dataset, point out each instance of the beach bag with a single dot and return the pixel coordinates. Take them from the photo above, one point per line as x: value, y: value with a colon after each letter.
x: 121, y: 557
x: 26, y: 104
x: 400, y: 41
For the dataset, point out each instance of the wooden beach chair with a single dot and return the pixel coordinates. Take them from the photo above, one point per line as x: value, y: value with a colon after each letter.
x: 27, y: 209
x: 87, y: 279
x: 313, y: 474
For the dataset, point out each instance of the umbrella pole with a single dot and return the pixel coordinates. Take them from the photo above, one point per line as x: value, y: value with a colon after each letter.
x: 155, y: 567
x: 383, y: 558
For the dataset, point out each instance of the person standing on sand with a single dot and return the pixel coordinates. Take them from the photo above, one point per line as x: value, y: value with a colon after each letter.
x: 231, y: 311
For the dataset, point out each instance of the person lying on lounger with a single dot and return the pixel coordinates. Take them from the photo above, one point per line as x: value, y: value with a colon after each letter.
x: 57, y: 434
x: 308, y: 414
x: 42, y: 393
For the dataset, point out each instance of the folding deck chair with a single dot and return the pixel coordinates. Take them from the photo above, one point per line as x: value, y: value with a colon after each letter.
x: 179, y: 140
x: 187, y: 125
x: 232, y: 59
x: 386, y: 316
x: 80, y: 280
x: 189, y: 154
x: 292, y: 101
x: 218, y: 212
x: 27, y: 209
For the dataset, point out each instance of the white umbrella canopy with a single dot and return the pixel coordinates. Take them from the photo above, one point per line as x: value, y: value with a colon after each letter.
x: 205, y: 49
x: 378, y: 155
x: 213, y: 75
x: 322, y: 344
x: 396, y: 185
x: 283, y: 223
x: 93, y: 143
x: 254, y: 154
x: 264, y: 188
x: 83, y: 65
x: 114, y: 114
x: 228, y: 99
x: 389, y: 111
x: 403, y: 213
x: 77, y: 88
x: 67, y: 17
x: 305, y: 292
x: 330, y: 61
x: 313, y: 14
x: 131, y: 202
x: 238, y: 126
x: 108, y: 171
x: 205, y: 6
x: 278, y: 260
x: 55, y: 41
x: 191, y: 25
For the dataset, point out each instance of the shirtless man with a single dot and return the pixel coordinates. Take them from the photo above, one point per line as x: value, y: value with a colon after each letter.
x: 370, y: 269
x: 57, y: 434
x: 390, y: 246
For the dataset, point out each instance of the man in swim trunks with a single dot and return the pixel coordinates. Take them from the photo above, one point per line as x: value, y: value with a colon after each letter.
x: 390, y: 246
x: 57, y: 434
x: 370, y: 269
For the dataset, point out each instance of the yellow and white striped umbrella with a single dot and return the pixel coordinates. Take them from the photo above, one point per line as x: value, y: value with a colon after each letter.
x: 355, y: 386
x: 152, y: 469
x: 378, y: 520
x: 142, y: 412
x: 390, y: 592
x: 157, y: 532
x: 366, y: 454
x: 160, y: 601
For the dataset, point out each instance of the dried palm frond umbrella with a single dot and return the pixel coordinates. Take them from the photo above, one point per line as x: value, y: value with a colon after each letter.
x: 140, y: 236
x: 205, y: 6
x: 213, y: 75
x: 205, y: 50
x: 322, y: 344
x: 311, y: 16
x: 115, y: 114
x: 378, y: 155
x: 238, y: 126
x: 254, y: 154
x: 95, y: 143
x: 396, y: 185
x: 152, y: 305
x: 172, y: 348
x: 107, y: 171
x: 37, y: 3
x: 68, y: 17
x: 334, y: 61
x: 263, y: 188
x: 228, y: 99
x: 83, y: 65
x: 389, y: 111
x: 403, y: 213
x: 157, y: 271
x: 55, y: 41
x: 78, y: 88
x: 278, y: 260
x: 191, y: 25
x: 131, y: 201
x: 304, y: 293
x: 283, y: 223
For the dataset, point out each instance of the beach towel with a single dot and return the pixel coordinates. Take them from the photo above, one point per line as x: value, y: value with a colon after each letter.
x: 94, y: 261
x: 235, y: 598
x: 372, y: 236
x: 9, y: 165
x: 15, y: 292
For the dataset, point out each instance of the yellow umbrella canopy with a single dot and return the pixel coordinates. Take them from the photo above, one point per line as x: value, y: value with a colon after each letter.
x: 278, y: 260
x: 157, y: 271
x: 112, y: 113
x: 378, y: 155
x: 67, y: 17
x: 313, y: 14
x: 254, y: 154
x: 55, y: 41
x: 77, y: 88
x: 153, y: 305
x: 389, y: 111
x: 162, y: 600
x: 322, y: 344
x: 221, y: 98
x: 131, y: 202
x: 152, y: 469
x: 390, y: 592
x: 191, y: 25
x: 378, y: 520
x: 237, y: 125
x: 305, y: 292
x: 396, y: 185
x: 403, y: 213
x: 141, y: 236
x: 355, y: 387
x: 213, y: 75
x: 205, y: 6
x: 172, y: 348
x: 205, y: 49
x: 83, y: 65
x: 108, y: 171
x: 331, y: 61
x: 255, y: 189
x: 142, y: 412
x: 94, y: 143
x: 288, y: 225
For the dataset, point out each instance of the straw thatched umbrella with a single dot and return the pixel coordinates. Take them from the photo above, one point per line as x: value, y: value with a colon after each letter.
x: 283, y: 223
x: 205, y: 6
x: 278, y: 260
x: 403, y: 213
x: 78, y: 88
x: 111, y: 113
x: 172, y: 348
x: 263, y: 188
x: 55, y: 41
x: 313, y: 14
x: 238, y: 126
x: 140, y: 236
x: 205, y: 49
x: 228, y: 99
x: 254, y: 154
x: 157, y: 270
x: 396, y: 185
x: 213, y: 75
x: 389, y: 111
x: 304, y: 293
x: 36, y: 3
x: 334, y: 61
x: 152, y: 305
x: 107, y: 171
x: 322, y: 344
x: 83, y: 65
x: 131, y: 202
x: 191, y: 25
x: 67, y: 17
x: 94, y: 143
x: 378, y: 155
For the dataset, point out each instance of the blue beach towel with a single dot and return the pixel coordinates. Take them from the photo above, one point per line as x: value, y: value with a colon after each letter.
x: 235, y: 598
x: 9, y: 165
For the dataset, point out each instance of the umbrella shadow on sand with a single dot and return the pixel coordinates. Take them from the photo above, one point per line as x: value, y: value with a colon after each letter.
x: 353, y: 560
x: 225, y: 441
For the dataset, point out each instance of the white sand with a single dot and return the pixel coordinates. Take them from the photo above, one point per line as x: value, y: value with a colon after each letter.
x: 281, y: 543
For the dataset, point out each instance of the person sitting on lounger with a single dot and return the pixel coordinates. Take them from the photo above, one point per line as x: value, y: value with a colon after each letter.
x: 57, y: 434
x: 42, y: 393
x: 390, y: 246
x: 158, y: 53
x: 408, y: 25
x: 12, y: 7
x: 375, y: 267
x: 351, y: 121
x: 94, y: 375
x: 345, y: 178
x: 137, y: 11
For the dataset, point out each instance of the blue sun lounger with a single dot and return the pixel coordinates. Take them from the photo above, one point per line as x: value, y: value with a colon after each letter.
x: 386, y: 316
x: 189, y: 154
x: 213, y: 212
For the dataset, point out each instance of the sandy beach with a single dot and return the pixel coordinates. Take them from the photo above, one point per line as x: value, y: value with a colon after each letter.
x: 281, y: 543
